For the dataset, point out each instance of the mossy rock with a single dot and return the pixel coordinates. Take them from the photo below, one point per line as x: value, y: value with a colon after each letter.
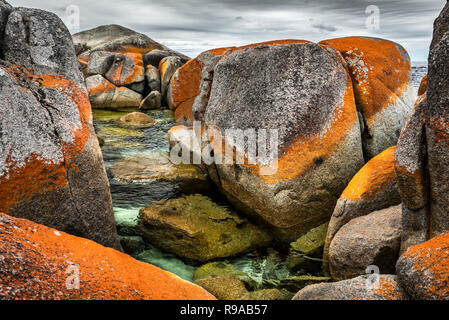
x: 269, y: 295
x: 108, y: 115
x: 294, y: 284
x: 119, y: 132
x: 137, y: 119
x: 307, y: 251
x: 132, y: 244
x: 197, y: 228
x: 222, y: 268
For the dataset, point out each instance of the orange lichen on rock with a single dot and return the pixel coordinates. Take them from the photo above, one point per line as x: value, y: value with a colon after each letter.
x: 389, y: 290
x: 186, y: 82
x: 128, y: 68
x: 42, y: 263
x: 423, y: 86
x: 380, y: 70
x: 424, y: 269
x: 40, y: 175
x: 373, y: 177
x: 300, y: 156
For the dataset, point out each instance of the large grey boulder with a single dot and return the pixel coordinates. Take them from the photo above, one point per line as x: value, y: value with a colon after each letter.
x: 361, y: 288
x: 303, y: 91
x: 371, y: 240
x: 51, y: 166
x: 39, y: 41
x: 100, y: 62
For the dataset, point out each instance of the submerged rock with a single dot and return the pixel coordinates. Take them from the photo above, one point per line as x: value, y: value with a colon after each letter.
x: 224, y: 287
x: 374, y: 239
x: 361, y: 288
x: 306, y: 252
x: 49, y: 262
x: 156, y: 166
x: 132, y: 244
x: 137, y: 119
x: 195, y: 227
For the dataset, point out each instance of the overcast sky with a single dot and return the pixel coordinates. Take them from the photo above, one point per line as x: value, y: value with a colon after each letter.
x: 192, y: 26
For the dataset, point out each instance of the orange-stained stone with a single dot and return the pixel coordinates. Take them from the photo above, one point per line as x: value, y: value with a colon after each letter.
x: 186, y: 82
x: 381, y: 73
x: 123, y: 73
x: 372, y: 178
x: 298, y: 158
x: 40, y: 176
x: 423, y: 86
x: 49, y: 258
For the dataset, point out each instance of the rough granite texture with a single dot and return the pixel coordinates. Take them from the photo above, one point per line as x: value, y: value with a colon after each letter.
x: 5, y: 10
x: 305, y: 92
x: 51, y: 166
x: 354, y: 289
x: 374, y: 239
x: 381, y: 75
x: 40, y: 263
x: 373, y: 188
x: 39, y: 41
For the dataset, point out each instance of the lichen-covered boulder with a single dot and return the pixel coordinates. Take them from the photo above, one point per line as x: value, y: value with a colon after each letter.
x: 126, y: 68
x: 302, y: 91
x: 99, y: 63
x: 437, y: 125
x: 373, y: 188
x: 152, y: 101
x: 361, y: 288
x: 155, y: 56
x: 190, y: 85
x: 423, y: 270
x: 51, y: 166
x: 195, y: 227
x: 137, y: 119
x: 371, y: 240
x: 167, y: 68
x: 104, y: 94
x: 40, y: 263
x: 153, y: 78
x: 381, y: 74
x: 422, y: 86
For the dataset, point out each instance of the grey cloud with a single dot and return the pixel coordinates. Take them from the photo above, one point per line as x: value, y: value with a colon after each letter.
x: 196, y: 25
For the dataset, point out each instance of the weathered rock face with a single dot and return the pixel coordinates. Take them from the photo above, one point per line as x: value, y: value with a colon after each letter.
x: 167, y: 68
x: 373, y: 188
x: 305, y: 92
x: 155, y: 56
x: 99, y: 63
x: 51, y: 166
x: 5, y: 10
x: 39, y: 41
x: 195, y: 227
x: 374, y: 239
x: 354, y: 289
x: 423, y: 270
x: 381, y: 75
x: 104, y: 94
x: 153, y: 78
x: 37, y: 263
x: 137, y: 119
x: 152, y: 101
x: 422, y: 158
x: 114, y: 38
x: 156, y: 166
x: 126, y: 69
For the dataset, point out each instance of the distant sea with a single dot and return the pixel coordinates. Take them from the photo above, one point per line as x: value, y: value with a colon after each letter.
x: 419, y: 69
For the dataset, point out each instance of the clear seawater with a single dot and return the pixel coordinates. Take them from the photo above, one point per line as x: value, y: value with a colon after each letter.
x: 129, y: 198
